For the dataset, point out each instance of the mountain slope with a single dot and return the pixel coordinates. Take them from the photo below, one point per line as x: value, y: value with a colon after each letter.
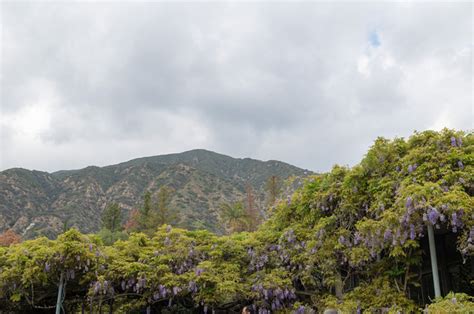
x: 34, y: 202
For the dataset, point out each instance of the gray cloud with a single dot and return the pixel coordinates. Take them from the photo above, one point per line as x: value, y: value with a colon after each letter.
x: 89, y: 83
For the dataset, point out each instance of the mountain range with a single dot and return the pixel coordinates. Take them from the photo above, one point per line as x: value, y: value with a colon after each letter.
x: 34, y: 203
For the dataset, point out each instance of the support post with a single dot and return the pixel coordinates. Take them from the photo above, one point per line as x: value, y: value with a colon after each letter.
x: 338, y: 286
x: 60, y: 294
x: 434, y: 261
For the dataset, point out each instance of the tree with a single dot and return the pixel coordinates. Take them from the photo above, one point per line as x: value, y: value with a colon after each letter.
x: 132, y: 222
x: 251, y: 210
x: 9, y: 237
x: 234, y: 217
x: 111, y: 217
x: 144, y: 216
x: 163, y: 214
x: 111, y: 225
x: 155, y: 212
x: 273, y: 188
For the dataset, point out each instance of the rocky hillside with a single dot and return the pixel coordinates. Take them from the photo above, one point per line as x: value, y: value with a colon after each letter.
x: 35, y: 202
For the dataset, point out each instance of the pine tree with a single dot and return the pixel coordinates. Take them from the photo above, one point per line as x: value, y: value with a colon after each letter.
x: 145, y: 213
x: 273, y: 189
x: 163, y: 214
x: 111, y: 217
x: 251, y: 210
x: 154, y: 212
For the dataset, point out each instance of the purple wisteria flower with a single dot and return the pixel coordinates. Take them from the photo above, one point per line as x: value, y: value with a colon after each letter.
x: 387, y: 235
x: 291, y: 236
x: 460, y: 165
x: 176, y: 290
x: 453, y: 141
x: 192, y: 287
x: 412, y: 232
x: 141, y: 283
x: 97, y: 287
x: 163, y: 291
x: 357, y: 238
x: 456, y: 221
x: 409, y: 202
x: 433, y: 215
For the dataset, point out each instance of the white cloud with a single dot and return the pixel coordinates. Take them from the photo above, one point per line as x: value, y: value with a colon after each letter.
x: 308, y: 83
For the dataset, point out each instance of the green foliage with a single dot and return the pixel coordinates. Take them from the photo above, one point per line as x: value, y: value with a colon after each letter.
x: 163, y: 214
x: 109, y: 237
x: 234, y: 217
x: 155, y: 211
x: 361, y: 225
x: 111, y: 218
x: 452, y: 303
x: 201, y: 181
x: 273, y: 188
x: 371, y: 297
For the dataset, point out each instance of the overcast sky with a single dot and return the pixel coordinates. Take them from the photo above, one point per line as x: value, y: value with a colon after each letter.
x: 311, y: 84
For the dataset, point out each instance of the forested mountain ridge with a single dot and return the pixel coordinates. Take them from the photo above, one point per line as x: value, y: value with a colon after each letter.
x: 35, y: 202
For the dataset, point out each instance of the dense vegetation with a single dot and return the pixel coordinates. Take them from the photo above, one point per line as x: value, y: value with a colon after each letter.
x: 347, y: 239
x: 35, y: 203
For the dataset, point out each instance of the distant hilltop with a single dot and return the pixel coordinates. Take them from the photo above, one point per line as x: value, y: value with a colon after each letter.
x: 36, y: 203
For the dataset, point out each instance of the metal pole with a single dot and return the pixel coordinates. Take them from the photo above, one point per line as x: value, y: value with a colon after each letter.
x: 434, y: 261
x: 60, y: 294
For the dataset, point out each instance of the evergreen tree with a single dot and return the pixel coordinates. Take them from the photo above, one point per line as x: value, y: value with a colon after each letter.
x: 145, y: 213
x: 111, y: 217
x: 273, y: 188
x: 154, y: 213
x: 251, y: 210
x: 163, y: 214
